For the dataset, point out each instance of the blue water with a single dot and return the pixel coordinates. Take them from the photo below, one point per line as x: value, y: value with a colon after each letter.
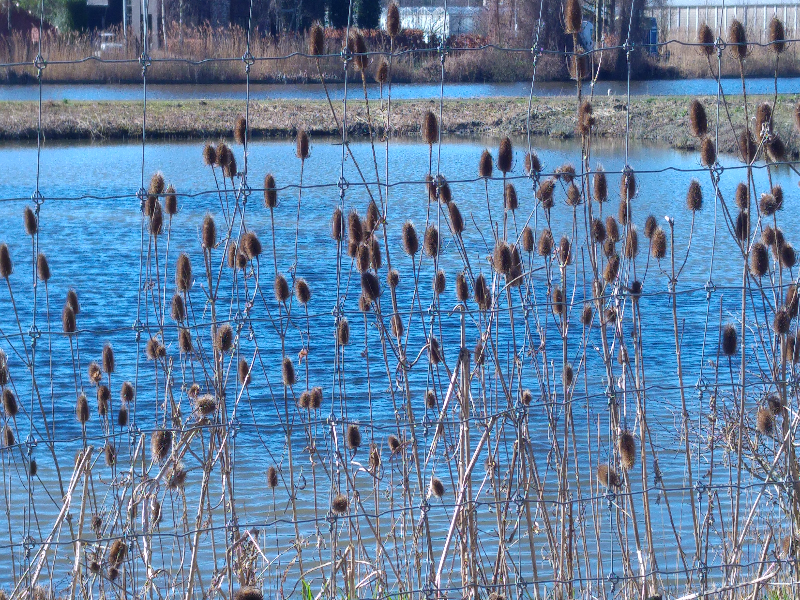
x: 90, y: 230
x: 400, y: 91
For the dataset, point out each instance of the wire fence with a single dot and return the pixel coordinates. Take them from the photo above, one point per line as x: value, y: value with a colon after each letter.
x: 563, y: 428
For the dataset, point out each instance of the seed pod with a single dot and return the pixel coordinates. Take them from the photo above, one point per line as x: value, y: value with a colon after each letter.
x: 68, y: 321
x: 270, y: 192
x: 587, y: 315
x: 782, y: 321
x: 171, y: 201
x: 272, y: 477
x: 103, y: 398
x: 768, y: 205
x: 393, y: 278
x: 708, y: 152
x: 698, y: 119
x: 759, y: 260
x: 340, y: 504
x: 612, y: 269
x: 316, y: 40
x: 564, y: 251
x: 777, y: 36
x: 776, y: 149
x: 510, y: 197
x: 532, y: 163
x: 156, y: 220
x: 505, y: 155
x: 337, y: 224
x: 566, y: 173
x: 527, y: 239
x: 598, y: 231
x: 742, y: 227
x: 545, y: 246
x: 436, y: 487
x: 30, y: 221
x: 281, y: 288
x: 568, y: 376
x: 658, y: 244
x: 706, y: 37
x: 627, y: 450
x: 585, y: 118
x: 485, y: 164
x: 42, y: 267
x: 240, y: 130
x: 6, y: 267
x: 650, y: 226
x: 694, y: 197
x: 456, y: 220
x: 439, y: 282
x: 302, y: 292
x: 612, y: 229
x: 430, y: 243
x: 302, y: 144
x: 624, y: 214
x: 10, y: 406
x: 183, y: 273
x: 243, y: 372
x: 747, y: 147
x: 545, y: 193
x: 287, y: 372
x: 185, y: 341
x: 501, y: 259
x: 410, y: 239
x: 110, y: 452
x: 343, y: 332
x: 434, y: 351
x: 573, y: 16
x: 462, y: 289
x: 355, y: 229
x: 765, y: 422
x: 353, y: 437
x: 95, y: 374
x: 558, y: 301
x: 737, y: 38
x: 627, y: 185
x: 573, y: 195
x: 250, y: 245
x: 730, y: 343
x: 608, y: 477
x: 788, y: 257
x: 430, y: 128
x: 209, y: 232
x: 358, y: 47
x: 600, y: 191
x: 742, y: 196
x: 370, y: 286
x: 209, y: 155
x: 632, y: 243
x: 483, y: 295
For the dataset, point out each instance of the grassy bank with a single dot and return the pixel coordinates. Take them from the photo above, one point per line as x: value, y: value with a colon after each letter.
x: 657, y: 119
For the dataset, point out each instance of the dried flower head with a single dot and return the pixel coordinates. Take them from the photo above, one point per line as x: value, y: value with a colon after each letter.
x: 68, y: 321
x: 777, y: 36
x: 358, y: 48
x: 340, y: 504
x: 6, y: 267
x: 532, y: 163
x: 658, y: 244
x: 240, y: 130
x: 430, y: 128
x: 316, y: 40
x: 501, y: 258
x: 287, y: 372
x: 510, y: 197
x: 765, y: 422
x: 303, y: 145
x: 573, y: 17
x: 430, y: 243
x: 436, y: 487
x: 557, y: 299
x: 456, y: 220
x: 505, y: 155
x: 281, y: 288
x: 708, y: 152
x: 697, y: 119
x: 694, y: 197
x: 160, y: 445
x: 483, y: 295
x: 250, y: 245
x: 272, y: 477
x: 485, y: 164
x: 730, y: 342
x: 353, y: 436
x: 370, y: 286
x: 600, y: 191
x: 42, y: 267
x: 545, y: 245
x: 209, y: 155
x: 627, y: 450
x: 10, y: 406
x: 759, y: 260
x: 608, y: 477
x: 706, y: 37
x: 737, y: 39
x: 30, y: 221
x: 392, y: 20
x: 224, y: 338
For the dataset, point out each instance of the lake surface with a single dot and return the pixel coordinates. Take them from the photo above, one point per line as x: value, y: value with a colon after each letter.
x: 400, y: 91
x: 91, y: 232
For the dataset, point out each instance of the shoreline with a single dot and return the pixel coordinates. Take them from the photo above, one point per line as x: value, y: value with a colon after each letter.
x: 659, y: 119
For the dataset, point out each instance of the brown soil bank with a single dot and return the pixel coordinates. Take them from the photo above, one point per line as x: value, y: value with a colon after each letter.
x: 657, y: 119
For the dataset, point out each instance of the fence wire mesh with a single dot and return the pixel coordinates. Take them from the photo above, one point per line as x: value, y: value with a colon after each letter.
x: 540, y: 436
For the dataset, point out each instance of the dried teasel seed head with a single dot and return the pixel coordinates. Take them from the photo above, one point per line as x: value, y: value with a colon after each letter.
x: 430, y: 399
x: 340, y: 504
x: 527, y: 239
x: 110, y: 452
x: 573, y: 16
x: 564, y: 251
x: 156, y: 220
x: 30, y: 221
x: 627, y: 185
x: 777, y: 36
x: 392, y: 20
x: 439, y: 282
x: 209, y: 232
x: 568, y: 376
x: 358, y: 47
x: 462, y: 288
x: 526, y: 397
x: 600, y: 191
x: 108, y: 358
x: 545, y: 245
x: 430, y: 243
x: 765, y: 422
x: 436, y: 488
x: 501, y: 258
x: 303, y: 145
x: 708, y: 153
x: 95, y: 374
x: 154, y: 349
x: 271, y: 192
x: 183, y: 273
x: 240, y: 130
x: 6, y: 266
x: 287, y: 372
x: 768, y: 205
x: 394, y: 444
x: 343, y: 332
x: 505, y: 155
x: 272, y: 477
x: 545, y: 193
x: 587, y: 315
x: 185, y: 341
x: 223, y: 341
x: 624, y: 213
x: 301, y: 291
x: 156, y: 184
x: 775, y: 404
x: 42, y: 267
x: 68, y: 321
x: 456, y: 220
x: 573, y: 195
x: 117, y: 553
x: 250, y: 245
x: 82, y: 409
x: 337, y: 224
x: 374, y: 251
x: 557, y: 300
x: 706, y: 37
x: 430, y: 128
x: 632, y: 242
x: 658, y: 244
x: 742, y: 227
x: 243, y: 371
x: 586, y: 118
x: 627, y: 450
x: 316, y: 40
x: 178, y: 308
x: 209, y: 155
x: 370, y: 286
x: 759, y: 260
x: 393, y: 278
x: 10, y: 406
x: 782, y: 321
x: 747, y: 146
x: 510, y: 197
x: 373, y: 216
x: 742, y: 196
x: 612, y: 229
x: 127, y: 392
x: 171, y: 201
x: 650, y: 226
x: 608, y: 477
x: 532, y: 163
x: 374, y: 458
x: 609, y: 247
x: 122, y: 416
x: 353, y: 436
x: 281, y: 288
x: 434, y: 351
x: 103, y: 399
x: 410, y: 239
x: 205, y: 404
x: 249, y: 593
x: 483, y: 295
x: 763, y: 120
x: 776, y: 149
x: 737, y: 39
x: 694, y: 196
x: 698, y: 120
x: 730, y: 342
x: 485, y: 164
x: 355, y: 228
x: 611, y: 269
x: 598, y: 231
